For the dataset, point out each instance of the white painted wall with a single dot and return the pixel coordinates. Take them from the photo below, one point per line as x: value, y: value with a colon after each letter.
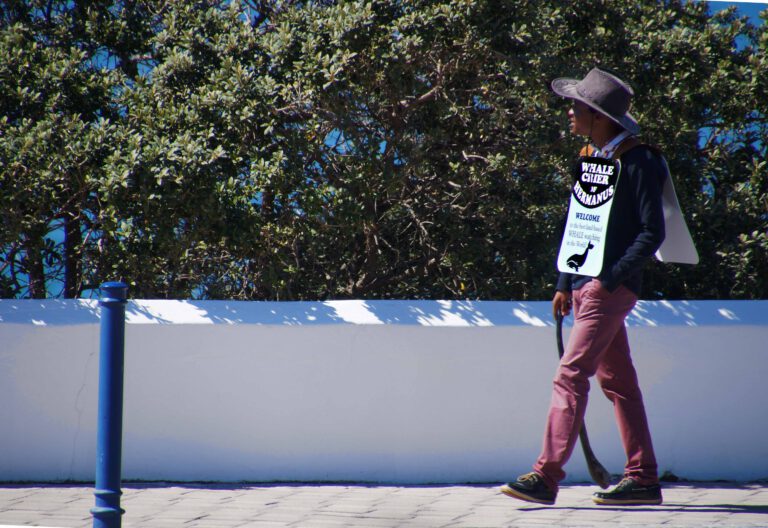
x: 388, y: 391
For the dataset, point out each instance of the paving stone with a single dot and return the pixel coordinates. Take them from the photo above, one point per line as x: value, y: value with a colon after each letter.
x: 161, y: 505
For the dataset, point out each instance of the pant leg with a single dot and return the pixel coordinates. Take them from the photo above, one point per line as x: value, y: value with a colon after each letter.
x: 618, y: 380
x: 598, y: 318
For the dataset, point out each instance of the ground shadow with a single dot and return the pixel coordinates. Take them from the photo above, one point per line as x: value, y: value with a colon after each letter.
x: 666, y: 507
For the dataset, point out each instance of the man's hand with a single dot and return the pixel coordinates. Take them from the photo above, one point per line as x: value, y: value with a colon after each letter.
x: 561, y: 304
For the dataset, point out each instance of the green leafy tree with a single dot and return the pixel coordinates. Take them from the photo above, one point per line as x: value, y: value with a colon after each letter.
x: 61, y: 66
x: 377, y: 149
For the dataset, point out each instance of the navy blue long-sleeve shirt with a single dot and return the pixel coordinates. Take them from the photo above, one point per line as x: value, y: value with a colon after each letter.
x: 635, y: 226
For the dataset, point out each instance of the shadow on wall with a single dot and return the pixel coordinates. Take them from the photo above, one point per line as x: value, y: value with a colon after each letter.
x: 361, y: 312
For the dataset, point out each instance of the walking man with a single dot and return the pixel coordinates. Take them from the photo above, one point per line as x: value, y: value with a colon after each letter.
x: 602, y: 289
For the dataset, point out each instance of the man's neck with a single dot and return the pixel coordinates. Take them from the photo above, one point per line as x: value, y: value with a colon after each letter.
x: 602, y: 137
x: 609, y: 148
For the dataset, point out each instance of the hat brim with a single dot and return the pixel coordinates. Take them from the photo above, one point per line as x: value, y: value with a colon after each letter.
x: 565, y: 87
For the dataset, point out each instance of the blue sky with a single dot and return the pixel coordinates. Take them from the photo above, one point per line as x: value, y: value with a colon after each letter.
x: 750, y: 9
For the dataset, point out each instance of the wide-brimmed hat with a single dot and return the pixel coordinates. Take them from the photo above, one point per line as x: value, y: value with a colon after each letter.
x: 602, y: 91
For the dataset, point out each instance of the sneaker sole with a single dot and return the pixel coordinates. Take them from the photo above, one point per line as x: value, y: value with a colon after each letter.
x: 511, y: 492
x: 627, y: 502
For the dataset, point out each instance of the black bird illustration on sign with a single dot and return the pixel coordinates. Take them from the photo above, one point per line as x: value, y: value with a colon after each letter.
x: 577, y: 260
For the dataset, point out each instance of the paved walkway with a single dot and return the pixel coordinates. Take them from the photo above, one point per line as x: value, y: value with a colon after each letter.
x: 308, y: 506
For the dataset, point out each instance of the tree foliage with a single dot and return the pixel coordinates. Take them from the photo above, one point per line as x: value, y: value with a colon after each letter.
x: 372, y: 149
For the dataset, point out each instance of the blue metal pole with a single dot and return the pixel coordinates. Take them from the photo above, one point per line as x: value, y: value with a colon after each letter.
x: 107, y: 513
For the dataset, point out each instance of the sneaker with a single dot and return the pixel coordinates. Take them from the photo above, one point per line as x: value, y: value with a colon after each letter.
x: 629, y: 492
x: 530, y: 487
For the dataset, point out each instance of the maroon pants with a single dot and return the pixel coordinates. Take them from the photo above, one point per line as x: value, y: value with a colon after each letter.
x: 597, y: 346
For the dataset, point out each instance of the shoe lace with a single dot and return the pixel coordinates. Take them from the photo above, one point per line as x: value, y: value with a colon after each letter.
x: 529, y: 477
x: 626, y: 482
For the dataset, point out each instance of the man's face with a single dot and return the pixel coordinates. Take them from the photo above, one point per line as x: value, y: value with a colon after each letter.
x: 580, y: 116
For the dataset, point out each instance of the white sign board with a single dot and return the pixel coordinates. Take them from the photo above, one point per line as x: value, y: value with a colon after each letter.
x: 678, y: 245
x: 583, y: 244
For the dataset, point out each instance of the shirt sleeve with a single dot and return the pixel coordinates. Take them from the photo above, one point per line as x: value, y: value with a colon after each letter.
x: 646, y: 180
x: 565, y: 282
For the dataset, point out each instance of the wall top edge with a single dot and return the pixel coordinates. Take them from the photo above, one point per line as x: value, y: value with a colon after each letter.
x: 362, y: 312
